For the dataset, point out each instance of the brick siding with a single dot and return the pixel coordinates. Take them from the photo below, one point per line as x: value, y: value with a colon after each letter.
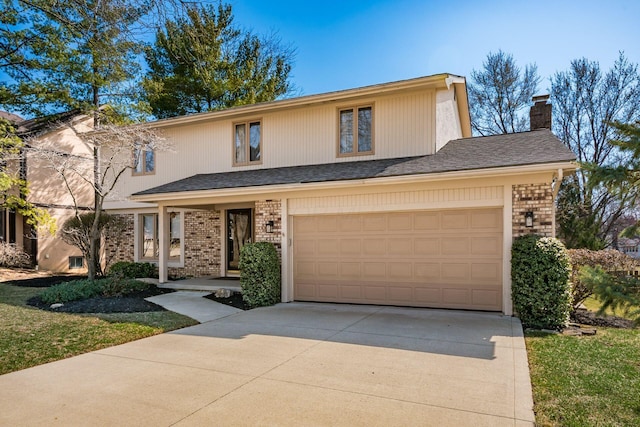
x: 536, y: 198
x: 265, y: 211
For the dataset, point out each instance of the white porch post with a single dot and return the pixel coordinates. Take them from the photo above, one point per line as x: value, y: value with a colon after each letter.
x: 507, y: 214
x: 287, y: 285
x: 163, y: 243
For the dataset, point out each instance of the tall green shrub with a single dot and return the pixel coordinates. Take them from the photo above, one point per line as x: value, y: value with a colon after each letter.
x: 541, y: 291
x: 133, y: 270
x: 260, y: 274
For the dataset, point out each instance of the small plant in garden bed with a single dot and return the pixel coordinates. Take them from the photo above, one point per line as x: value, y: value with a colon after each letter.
x: 83, y: 289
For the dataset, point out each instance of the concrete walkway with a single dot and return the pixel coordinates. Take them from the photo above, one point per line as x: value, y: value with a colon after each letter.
x: 297, y: 364
x: 194, y: 304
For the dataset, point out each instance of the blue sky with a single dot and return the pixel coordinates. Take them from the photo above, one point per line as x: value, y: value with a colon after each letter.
x: 353, y: 43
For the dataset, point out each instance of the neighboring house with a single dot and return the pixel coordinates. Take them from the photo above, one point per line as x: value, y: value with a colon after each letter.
x: 375, y: 195
x: 630, y: 247
x: 48, y: 191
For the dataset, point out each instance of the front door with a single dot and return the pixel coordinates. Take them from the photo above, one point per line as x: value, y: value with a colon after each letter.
x: 239, y: 233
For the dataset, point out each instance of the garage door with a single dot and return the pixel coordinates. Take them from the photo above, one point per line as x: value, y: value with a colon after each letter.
x: 448, y: 259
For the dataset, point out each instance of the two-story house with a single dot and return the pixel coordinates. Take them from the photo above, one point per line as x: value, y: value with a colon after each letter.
x: 48, y: 138
x: 375, y: 195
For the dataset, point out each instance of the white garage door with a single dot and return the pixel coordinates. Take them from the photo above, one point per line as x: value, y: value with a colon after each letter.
x: 448, y: 259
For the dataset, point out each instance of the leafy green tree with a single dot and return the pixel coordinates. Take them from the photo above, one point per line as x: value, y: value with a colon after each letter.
x: 201, y: 61
x: 499, y: 94
x: 624, y: 175
x: 586, y: 103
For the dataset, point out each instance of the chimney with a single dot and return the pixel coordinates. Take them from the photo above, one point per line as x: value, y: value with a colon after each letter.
x: 540, y: 113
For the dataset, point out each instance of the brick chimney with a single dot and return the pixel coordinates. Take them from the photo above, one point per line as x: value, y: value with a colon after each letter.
x: 540, y: 113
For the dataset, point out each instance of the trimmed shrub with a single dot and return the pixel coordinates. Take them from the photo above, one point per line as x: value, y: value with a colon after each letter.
x: 133, y: 270
x: 12, y: 256
x: 260, y: 274
x: 609, y: 260
x: 83, y: 289
x: 541, y: 291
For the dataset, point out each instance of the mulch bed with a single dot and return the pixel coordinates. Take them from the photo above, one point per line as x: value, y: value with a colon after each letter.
x: 235, y: 300
x: 45, y: 281
x: 590, y: 318
x: 131, y: 303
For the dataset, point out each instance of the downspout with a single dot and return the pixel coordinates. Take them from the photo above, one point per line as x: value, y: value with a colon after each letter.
x: 556, y: 188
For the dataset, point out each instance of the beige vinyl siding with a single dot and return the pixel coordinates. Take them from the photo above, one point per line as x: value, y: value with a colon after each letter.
x: 403, y: 126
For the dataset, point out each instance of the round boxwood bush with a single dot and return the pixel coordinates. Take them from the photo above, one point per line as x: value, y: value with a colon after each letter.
x: 260, y: 274
x: 541, y: 290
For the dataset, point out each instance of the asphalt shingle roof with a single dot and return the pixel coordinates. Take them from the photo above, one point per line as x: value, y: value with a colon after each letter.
x: 517, y: 149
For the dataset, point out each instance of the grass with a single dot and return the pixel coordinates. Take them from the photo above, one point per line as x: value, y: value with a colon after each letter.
x: 592, y: 304
x: 30, y: 337
x: 586, y: 381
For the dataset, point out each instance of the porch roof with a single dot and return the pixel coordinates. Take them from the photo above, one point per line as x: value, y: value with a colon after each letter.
x: 517, y: 149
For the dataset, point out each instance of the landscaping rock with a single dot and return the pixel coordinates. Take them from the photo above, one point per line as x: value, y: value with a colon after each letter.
x: 223, y: 293
x: 56, y: 305
x: 588, y: 331
x: 572, y: 332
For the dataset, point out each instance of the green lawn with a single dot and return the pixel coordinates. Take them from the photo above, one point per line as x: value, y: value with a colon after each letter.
x: 30, y: 337
x: 588, y: 380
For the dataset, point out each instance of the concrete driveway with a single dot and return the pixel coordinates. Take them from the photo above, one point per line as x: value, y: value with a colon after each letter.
x: 298, y: 364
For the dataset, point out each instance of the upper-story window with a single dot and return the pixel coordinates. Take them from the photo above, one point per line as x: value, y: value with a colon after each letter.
x: 144, y: 160
x: 356, y: 131
x: 247, y: 140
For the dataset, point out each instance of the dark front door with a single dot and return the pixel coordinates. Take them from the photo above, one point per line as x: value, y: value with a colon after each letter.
x: 239, y: 233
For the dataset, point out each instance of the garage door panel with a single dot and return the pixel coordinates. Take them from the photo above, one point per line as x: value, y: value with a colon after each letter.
x: 375, y: 293
x: 456, y: 296
x: 400, y: 222
x: 426, y: 271
x: 350, y: 224
x: 374, y: 246
x: 486, y: 271
x: 305, y: 269
x: 431, y: 296
x: 487, y: 220
x: 374, y: 222
x: 374, y: 270
x: 400, y: 294
x: 400, y: 271
x: 485, y: 297
x: 455, y: 271
x: 305, y: 247
x: 329, y: 291
x: 327, y: 270
x: 349, y: 270
x: 350, y: 247
x: 455, y: 220
x: 426, y: 221
x: 458, y: 246
x: 486, y: 245
x: 426, y: 246
x: 397, y: 246
x: 328, y: 246
x: 425, y: 258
